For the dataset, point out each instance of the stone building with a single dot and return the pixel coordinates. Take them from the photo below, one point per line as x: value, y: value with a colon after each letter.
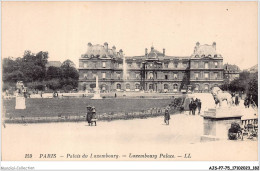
x: 231, y: 72
x: 154, y: 71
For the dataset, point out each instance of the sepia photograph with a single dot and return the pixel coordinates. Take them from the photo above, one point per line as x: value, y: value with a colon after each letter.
x: 129, y: 81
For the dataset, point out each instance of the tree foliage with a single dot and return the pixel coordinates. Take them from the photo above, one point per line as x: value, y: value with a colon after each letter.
x: 32, y: 70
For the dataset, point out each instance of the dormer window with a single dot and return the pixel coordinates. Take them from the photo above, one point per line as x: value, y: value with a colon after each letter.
x: 215, y: 56
x: 104, y: 56
x: 196, y: 56
x: 209, y: 56
x: 203, y: 56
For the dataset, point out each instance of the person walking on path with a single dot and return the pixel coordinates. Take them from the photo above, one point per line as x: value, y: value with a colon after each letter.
x: 89, y: 115
x: 94, y: 116
x: 194, y: 106
x: 190, y: 107
x: 236, y: 101
x: 199, y: 106
x: 167, y: 116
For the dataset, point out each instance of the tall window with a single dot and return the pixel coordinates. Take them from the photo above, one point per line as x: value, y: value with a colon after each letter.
x: 206, y: 65
x: 166, y: 86
x: 196, y: 64
x: 137, y: 75
x: 215, y: 75
x: 128, y: 76
x: 206, y: 87
x: 175, y: 76
x: 85, y: 75
x: 197, y: 87
x: 85, y: 65
x: 166, y: 65
x: 104, y: 64
x: 95, y: 64
x: 127, y: 86
x: 118, y: 75
x: 216, y: 64
x: 166, y: 77
x: 206, y: 75
x: 118, y: 86
x: 175, y: 87
x: 196, y: 75
x: 150, y: 75
x: 94, y: 75
x: 103, y: 75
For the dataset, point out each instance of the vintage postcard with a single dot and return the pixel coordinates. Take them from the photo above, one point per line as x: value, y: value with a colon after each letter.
x: 129, y: 81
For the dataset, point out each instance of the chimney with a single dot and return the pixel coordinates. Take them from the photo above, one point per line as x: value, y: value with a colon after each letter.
x: 89, y: 44
x: 163, y: 52
x: 114, y: 49
x: 106, y: 46
x: 121, y: 52
x: 197, y: 44
x: 214, y: 45
x: 146, y: 51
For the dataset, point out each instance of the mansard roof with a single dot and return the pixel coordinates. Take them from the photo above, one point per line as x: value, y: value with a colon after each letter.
x: 205, y: 50
x: 102, y: 51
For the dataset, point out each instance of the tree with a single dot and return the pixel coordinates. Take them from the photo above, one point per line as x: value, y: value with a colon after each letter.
x: 53, y: 73
x: 69, y: 75
x: 253, y: 87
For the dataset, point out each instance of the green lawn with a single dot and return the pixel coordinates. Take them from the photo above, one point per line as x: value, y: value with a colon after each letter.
x: 77, y: 106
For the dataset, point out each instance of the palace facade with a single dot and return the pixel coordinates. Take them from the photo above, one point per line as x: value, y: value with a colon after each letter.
x: 154, y: 71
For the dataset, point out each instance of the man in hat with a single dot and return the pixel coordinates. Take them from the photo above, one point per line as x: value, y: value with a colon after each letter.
x: 94, y: 116
x: 167, y: 116
x: 89, y: 114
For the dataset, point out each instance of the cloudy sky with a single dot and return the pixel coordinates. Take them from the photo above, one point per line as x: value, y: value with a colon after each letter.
x: 65, y: 28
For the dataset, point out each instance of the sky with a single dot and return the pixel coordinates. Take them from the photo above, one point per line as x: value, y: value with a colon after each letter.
x: 65, y: 28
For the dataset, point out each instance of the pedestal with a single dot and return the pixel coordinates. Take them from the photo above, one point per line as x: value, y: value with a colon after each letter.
x: 216, y: 123
x: 20, y: 103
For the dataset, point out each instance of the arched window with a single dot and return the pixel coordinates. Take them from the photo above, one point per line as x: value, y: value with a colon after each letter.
x: 166, y: 86
x: 150, y: 75
x: 127, y: 86
x: 137, y: 86
x: 197, y: 87
x: 206, y: 87
x: 150, y: 86
x: 118, y: 86
x: 103, y: 87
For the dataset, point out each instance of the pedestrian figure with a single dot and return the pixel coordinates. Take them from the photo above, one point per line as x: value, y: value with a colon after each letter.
x: 115, y: 95
x: 94, y: 116
x: 199, y: 106
x: 89, y: 115
x: 246, y: 103
x: 190, y: 107
x: 194, y: 106
x: 236, y: 101
x: 167, y: 116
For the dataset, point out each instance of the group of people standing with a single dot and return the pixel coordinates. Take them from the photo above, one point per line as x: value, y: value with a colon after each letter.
x: 194, y: 105
x: 249, y: 101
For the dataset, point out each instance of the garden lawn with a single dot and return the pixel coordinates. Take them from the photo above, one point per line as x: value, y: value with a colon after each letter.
x: 77, y: 106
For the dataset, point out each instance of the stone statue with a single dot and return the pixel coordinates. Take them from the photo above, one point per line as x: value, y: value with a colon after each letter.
x: 220, y: 96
